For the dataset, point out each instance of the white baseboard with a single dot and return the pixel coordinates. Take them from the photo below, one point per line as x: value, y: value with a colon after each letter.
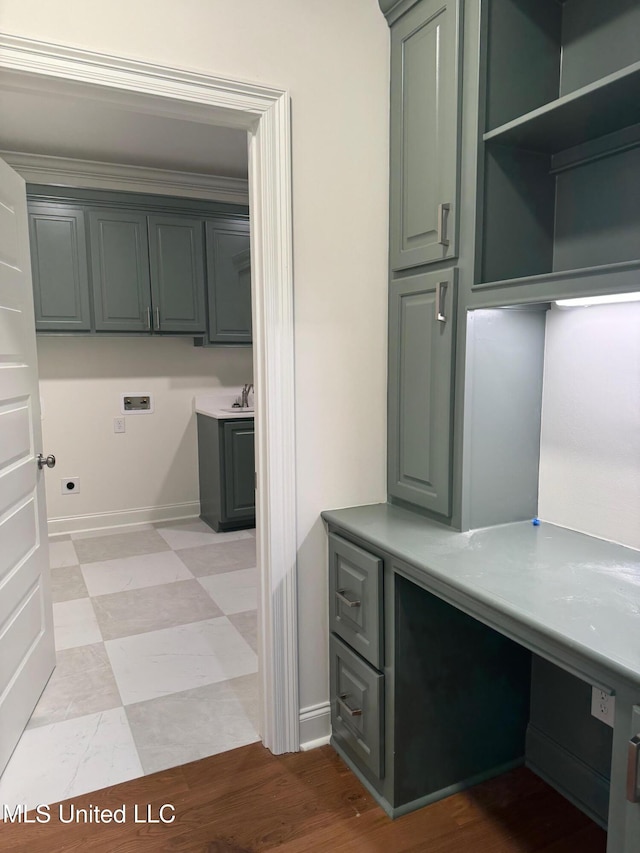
x: 315, y: 726
x: 128, y: 517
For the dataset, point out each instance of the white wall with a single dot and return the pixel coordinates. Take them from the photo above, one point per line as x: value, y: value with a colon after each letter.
x: 154, y: 465
x: 333, y: 57
x: 590, y: 442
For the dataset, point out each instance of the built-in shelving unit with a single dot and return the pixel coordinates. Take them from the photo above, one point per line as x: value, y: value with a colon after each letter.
x: 559, y: 190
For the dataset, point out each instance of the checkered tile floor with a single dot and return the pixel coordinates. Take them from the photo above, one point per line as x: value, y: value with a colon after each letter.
x: 156, y: 659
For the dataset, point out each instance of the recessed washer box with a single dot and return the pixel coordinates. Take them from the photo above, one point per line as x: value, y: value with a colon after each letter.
x: 136, y: 403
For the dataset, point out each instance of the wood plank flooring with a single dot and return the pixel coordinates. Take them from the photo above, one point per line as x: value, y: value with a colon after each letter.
x: 247, y: 801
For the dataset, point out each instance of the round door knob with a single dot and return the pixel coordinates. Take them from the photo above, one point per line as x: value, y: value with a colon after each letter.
x: 49, y: 461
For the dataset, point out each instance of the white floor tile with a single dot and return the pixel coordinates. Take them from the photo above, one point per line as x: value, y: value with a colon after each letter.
x: 178, y: 538
x: 134, y: 573
x: 174, y: 659
x: 67, y: 759
x: 233, y: 592
x: 75, y: 624
x: 62, y: 554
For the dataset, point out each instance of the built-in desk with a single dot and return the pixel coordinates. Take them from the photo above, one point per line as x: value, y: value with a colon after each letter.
x: 459, y: 618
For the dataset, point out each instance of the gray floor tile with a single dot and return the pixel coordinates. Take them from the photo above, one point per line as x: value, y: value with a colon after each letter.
x: 123, y: 614
x: 82, y: 683
x: 62, y: 554
x: 111, y: 531
x: 60, y: 537
x: 190, y: 725
x: 213, y: 559
x: 247, y: 624
x: 67, y: 583
x: 116, y: 546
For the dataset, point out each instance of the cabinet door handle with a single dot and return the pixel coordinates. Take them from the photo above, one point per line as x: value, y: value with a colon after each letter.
x: 441, y: 291
x: 352, y: 712
x: 349, y: 602
x: 633, y: 756
x: 157, y: 310
x: 149, y: 317
x: 443, y: 211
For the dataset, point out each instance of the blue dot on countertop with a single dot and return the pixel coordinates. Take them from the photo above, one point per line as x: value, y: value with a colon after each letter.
x: 536, y: 522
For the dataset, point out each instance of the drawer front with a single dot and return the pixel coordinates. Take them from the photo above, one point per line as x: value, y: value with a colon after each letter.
x: 357, y: 702
x: 355, y: 591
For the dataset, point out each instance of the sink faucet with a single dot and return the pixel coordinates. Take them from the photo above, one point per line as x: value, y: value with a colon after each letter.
x: 245, y: 395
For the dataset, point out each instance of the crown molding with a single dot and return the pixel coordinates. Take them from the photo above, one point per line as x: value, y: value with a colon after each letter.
x: 92, y: 174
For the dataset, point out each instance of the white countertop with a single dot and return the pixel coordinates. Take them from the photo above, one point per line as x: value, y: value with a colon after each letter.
x: 217, y: 406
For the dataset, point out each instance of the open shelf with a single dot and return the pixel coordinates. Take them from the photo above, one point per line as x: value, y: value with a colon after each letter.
x: 595, y: 110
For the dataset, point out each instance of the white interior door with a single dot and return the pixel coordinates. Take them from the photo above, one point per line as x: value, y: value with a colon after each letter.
x: 27, y: 655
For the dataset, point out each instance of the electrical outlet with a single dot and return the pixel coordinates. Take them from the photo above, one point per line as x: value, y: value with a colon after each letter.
x: 70, y: 485
x: 603, y: 706
x: 119, y: 425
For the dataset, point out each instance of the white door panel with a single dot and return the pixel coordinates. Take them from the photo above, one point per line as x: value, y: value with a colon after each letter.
x: 27, y: 654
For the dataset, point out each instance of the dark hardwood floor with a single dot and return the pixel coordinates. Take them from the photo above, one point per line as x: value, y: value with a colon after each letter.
x: 247, y: 800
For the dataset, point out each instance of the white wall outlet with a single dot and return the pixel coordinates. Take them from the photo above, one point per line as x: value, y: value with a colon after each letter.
x: 603, y: 706
x: 70, y: 485
x: 119, y: 425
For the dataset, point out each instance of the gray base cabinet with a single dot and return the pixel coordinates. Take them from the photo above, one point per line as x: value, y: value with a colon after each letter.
x: 226, y: 465
x: 421, y: 339
x: 59, y: 268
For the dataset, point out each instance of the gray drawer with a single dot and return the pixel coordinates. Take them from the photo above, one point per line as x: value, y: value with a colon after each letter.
x: 357, y: 696
x: 355, y: 598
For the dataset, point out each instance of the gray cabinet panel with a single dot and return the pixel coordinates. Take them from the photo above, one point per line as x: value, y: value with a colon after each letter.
x: 425, y: 108
x: 229, y: 281
x: 120, y: 270
x: 226, y: 466
x: 176, y: 255
x: 239, y: 469
x: 59, y: 268
x: 355, y: 598
x: 357, y: 707
x: 421, y: 389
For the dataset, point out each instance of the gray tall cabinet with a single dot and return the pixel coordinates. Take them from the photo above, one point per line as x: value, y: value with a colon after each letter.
x: 425, y: 117
x: 514, y: 172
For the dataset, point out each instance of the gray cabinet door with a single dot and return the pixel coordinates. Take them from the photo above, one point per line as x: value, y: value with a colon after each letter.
x: 229, y: 281
x: 59, y: 268
x: 425, y: 109
x: 176, y: 255
x: 421, y: 389
x: 120, y: 270
x: 239, y: 470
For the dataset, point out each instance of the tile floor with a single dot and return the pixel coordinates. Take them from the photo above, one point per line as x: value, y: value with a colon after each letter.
x: 156, y: 659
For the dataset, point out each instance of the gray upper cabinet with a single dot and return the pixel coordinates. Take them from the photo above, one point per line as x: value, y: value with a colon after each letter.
x: 229, y: 281
x: 120, y: 270
x: 425, y: 114
x: 59, y: 268
x: 176, y: 256
x: 421, y: 336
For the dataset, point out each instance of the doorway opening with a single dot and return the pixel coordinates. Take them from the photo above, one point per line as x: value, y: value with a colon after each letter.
x: 142, y: 89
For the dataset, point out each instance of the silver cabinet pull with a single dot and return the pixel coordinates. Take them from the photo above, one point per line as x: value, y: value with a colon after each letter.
x: 443, y: 211
x: 149, y: 317
x: 352, y: 712
x: 46, y: 461
x: 340, y: 595
x: 157, y: 310
x: 633, y: 756
x: 441, y: 291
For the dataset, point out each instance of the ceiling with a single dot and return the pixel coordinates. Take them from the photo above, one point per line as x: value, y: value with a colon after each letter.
x: 84, y: 129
